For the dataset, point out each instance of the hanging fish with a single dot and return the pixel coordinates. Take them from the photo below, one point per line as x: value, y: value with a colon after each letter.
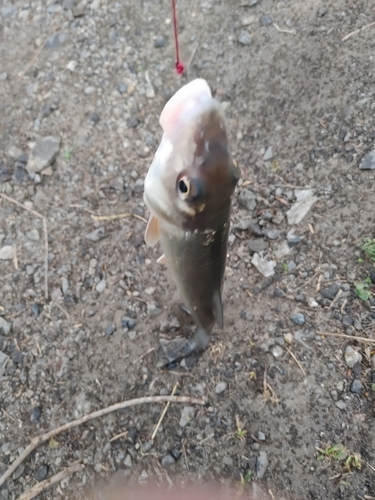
x: 188, y: 191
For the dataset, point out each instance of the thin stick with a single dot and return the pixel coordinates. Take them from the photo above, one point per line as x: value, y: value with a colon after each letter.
x: 63, y: 310
x: 36, y: 441
x: 44, y: 485
x: 163, y: 414
x: 122, y: 434
x: 12, y: 200
x: 143, y: 355
x: 32, y: 62
x: 308, y: 281
x: 98, y: 218
x: 349, y: 35
x: 291, y: 32
x: 349, y: 337
x: 298, y: 363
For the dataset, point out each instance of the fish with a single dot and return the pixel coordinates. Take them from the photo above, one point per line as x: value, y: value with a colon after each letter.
x: 188, y: 191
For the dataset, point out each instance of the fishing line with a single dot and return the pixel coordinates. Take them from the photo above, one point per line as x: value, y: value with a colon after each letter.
x: 180, y: 68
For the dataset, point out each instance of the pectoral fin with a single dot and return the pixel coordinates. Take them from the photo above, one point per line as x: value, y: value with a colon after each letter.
x: 218, y: 309
x: 152, y: 234
x: 162, y: 260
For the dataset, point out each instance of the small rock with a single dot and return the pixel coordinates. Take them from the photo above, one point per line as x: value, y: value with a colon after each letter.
x: 311, y: 302
x: 7, y: 252
x: 132, y: 435
x: 268, y: 155
x: 247, y: 224
x: 261, y: 436
x: 153, y: 310
x: 159, y: 42
x: 128, y: 323
x: 331, y: 291
x: 352, y: 356
x: 3, y: 76
x: 247, y: 199
x: 17, y: 357
x: 146, y: 446
x: 264, y: 266
x: 288, y: 337
x: 356, y: 387
x: 272, y: 234
x: 128, y: 462
x: 95, y: 4
x: 244, y: 38
x: 257, y: 246
x: 187, y: 415
x: 33, y: 235
x: 368, y: 161
x: 45, y: 111
x: 265, y: 20
x: 133, y: 122
x: 5, y: 326
x: 262, y: 464
x: 122, y: 88
x: 35, y: 415
x: 277, y: 351
x: 18, y: 472
x: 341, y: 405
x: 94, y: 117
x: 167, y: 460
x: 247, y: 20
x: 4, y: 358
x: 43, y: 154
x: 96, y: 235
x: 220, y: 387
x: 110, y: 329
x: 347, y: 321
x: 36, y: 309
x: 298, y: 318
x: 305, y: 201
x: 41, y: 473
x: 100, y: 287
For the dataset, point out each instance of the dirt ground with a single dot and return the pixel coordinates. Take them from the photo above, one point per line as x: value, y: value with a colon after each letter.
x: 96, y: 75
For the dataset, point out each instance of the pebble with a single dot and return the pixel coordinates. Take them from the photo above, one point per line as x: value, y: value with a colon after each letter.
x: 247, y: 224
x: 36, y: 309
x: 298, y: 211
x: 41, y: 473
x: 94, y: 117
x: 110, y: 329
x: 5, y: 326
x: 35, y: 415
x: 18, y: 472
x: 265, y: 20
x: 330, y: 291
x: 100, y: 287
x: 272, y: 234
x: 187, y: 415
x: 347, y: 321
x: 128, y: 323
x: 220, y: 387
x: 33, y: 235
x: 341, y: 405
x: 7, y: 252
x: 167, y: 460
x: 159, y: 42
x: 146, y: 446
x: 368, y: 161
x: 3, y: 362
x: 268, y: 155
x: 262, y: 464
x: 352, y: 356
x: 264, y: 266
x: 356, y: 387
x: 257, y: 246
x: 122, y: 88
x: 261, y: 436
x: 288, y: 337
x: 132, y: 435
x: 153, y: 310
x: 96, y: 235
x: 277, y: 351
x: 255, y: 446
x: 17, y: 357
x: 298, y: 318
x: 244, y: 38
x: 128, y: 462
x: 247, y: 199
x: 311, y: 302
x: 43, y: 154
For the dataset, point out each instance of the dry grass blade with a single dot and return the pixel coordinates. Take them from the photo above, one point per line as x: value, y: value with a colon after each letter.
x: 280, y: 30
x: 36, y: 441
x: 296, y: 360
x: 163, y: 414
x: 44, y: 485
x: 37, y: 214
x: 349, y: 35
x: 98, y: 218
x: 349, y: 337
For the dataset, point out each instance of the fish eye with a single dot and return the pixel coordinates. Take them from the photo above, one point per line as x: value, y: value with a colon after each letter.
x: 183, y: 187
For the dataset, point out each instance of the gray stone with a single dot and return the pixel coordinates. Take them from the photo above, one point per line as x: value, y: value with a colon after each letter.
x: 56, y: 41
x: 167, y: 460
x: 3, y: 362
x: 18, y: 472
x: 41, y: 473
x: 262, y: 464
x: 7, y: 252
x: 128, y: 462
x: 264, y: 266
x: 368, y: 161
x: 128, y: 323
x: 8, y: 11
x: 277, y: 351
x: 43, y: 154
x: 268, y: 155
x: 33, y: 235
x: 100, y: 287
x: 261, y: 436
x: 159, y: 42
x: 341, y: 405
x: 187, y: 415
x: 244, y: 38
x: 96, y: 235
x: 5, y: 326
x: 356, y: 387
x: 3, y: 76
x: 153, y: 310
x: 298, y: 318
x: 347, y: 321
x: 247, y: 199
x: 352, y: 356
x: 250, y: 225
x: 122, y: 88
x: 257, y: 246
x: 110, y: 329
x: 265, y: 20
x: 272, y: 234
x: 330, y: 291
x: 220, y: 387
x: 305, y: 201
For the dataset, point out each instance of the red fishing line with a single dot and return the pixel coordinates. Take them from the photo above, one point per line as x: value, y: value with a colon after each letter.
x: 180, y: 68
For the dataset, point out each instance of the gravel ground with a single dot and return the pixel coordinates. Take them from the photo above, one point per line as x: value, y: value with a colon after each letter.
x: 82, y: 85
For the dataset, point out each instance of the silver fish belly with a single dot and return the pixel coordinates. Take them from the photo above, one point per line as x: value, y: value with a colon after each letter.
x: 196, y: 260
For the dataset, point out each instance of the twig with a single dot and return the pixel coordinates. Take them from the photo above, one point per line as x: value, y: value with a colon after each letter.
x: 143, y: 355
x: 298, y: 363
x: 163, y: 414
x: 62, y: 310
x: 36, y: 441
x: 98, y: 218
x: 308, y: 281
x: 44, y: 485
x: 118, y: 436
x: 40, y: 48
x: 349, y: 337
x: 12, y: 200
x: 291, y: 32
x: 349, y: 35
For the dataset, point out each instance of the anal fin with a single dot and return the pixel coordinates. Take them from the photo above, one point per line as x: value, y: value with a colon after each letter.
x: 218, y: 309
x: 152, y: 233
